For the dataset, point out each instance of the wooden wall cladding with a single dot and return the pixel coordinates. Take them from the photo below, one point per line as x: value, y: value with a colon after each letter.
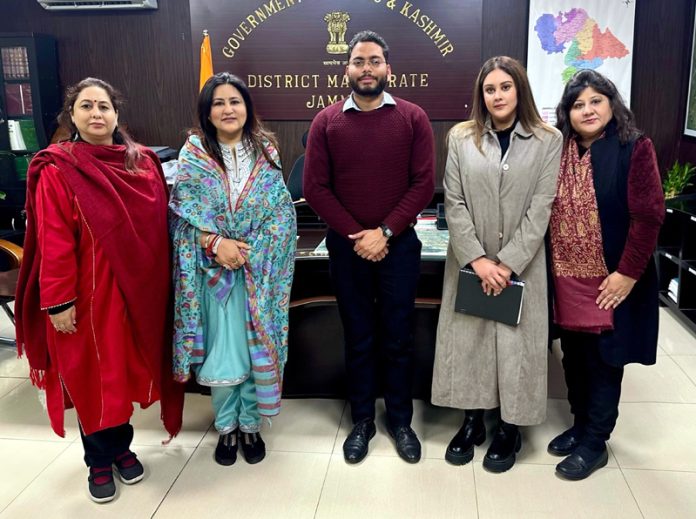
x: 147, y: 54
x: 687, y: 150
x: 661, y: 49
x: 504, y: 31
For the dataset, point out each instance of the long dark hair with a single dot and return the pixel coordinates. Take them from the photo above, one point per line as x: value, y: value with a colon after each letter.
x: 527, y: 113
x: 625, y: 121
x: 253, y: 132
x: 120, y: 136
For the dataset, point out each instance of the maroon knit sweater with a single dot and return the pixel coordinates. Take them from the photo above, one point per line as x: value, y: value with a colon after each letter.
x: 363, y: 169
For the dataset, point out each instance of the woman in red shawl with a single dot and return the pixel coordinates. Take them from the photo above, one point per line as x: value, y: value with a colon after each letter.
x: 93, y: 293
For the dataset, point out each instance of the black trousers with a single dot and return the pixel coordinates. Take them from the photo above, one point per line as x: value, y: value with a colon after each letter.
x: 376, y: 303
x: 594, y: 387
x: 102, y: 447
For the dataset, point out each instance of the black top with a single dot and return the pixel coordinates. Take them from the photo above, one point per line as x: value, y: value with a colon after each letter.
x: 504, y: 139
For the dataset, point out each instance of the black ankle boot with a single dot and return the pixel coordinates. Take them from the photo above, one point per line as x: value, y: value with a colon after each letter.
x: 506, y: 443
x: 460, y: 450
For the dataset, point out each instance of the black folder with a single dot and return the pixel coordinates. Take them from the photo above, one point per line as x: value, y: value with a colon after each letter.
x: 471, y: 299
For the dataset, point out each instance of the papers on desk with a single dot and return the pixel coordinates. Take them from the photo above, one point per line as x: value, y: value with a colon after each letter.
x: 434, y: 242
x: 321, y: 251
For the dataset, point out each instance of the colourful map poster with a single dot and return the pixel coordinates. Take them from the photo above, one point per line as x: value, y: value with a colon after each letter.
x: 569, y: 35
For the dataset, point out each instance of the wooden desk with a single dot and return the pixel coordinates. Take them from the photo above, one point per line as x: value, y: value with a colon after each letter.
x: 316, y: 365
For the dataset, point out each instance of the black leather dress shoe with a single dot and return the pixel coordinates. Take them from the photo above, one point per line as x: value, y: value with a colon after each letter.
x: 407, y: 444
x: 565, y: 443
x: 582, y: 463
x: 460, y: 450
x: 253, y: 447
x: 503, y: 449
x: 355, y: 446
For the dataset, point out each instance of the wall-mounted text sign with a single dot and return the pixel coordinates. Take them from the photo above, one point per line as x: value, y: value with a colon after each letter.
x: 293, y: 53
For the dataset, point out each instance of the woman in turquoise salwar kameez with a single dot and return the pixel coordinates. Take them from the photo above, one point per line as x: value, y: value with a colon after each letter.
x: 233, y: 229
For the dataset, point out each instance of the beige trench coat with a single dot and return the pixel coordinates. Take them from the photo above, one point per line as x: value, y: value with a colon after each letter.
x: 499, y: 209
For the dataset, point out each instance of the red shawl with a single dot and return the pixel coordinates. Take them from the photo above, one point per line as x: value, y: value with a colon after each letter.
x: 119, y: 215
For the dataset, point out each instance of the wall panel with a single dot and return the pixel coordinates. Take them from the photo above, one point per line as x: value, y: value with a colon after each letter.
x: 660, y: 73
x: 147, y: 54
x: 505, y: 29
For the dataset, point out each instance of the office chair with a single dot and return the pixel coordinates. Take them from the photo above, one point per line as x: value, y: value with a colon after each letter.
x: 12, y: 255
x: 295, y: 177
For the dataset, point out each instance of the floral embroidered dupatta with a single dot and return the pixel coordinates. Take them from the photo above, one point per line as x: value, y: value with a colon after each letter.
x: 264, y: 218
x: 577, y: 251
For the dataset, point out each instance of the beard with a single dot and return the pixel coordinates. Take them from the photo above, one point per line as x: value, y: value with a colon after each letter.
x: 368, y: 91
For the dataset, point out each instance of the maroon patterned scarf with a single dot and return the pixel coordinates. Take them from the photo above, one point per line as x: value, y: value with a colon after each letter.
x: 577, y: 253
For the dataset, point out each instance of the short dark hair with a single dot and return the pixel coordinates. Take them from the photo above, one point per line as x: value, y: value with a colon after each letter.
x: 625, y: 121
x: 371, y: 37
x: 253, y: 133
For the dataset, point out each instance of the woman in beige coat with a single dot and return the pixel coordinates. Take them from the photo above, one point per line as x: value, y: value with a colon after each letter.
x: 500, y: 183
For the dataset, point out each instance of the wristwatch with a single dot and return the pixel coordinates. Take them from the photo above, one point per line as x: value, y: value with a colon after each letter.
x: 386, y: 231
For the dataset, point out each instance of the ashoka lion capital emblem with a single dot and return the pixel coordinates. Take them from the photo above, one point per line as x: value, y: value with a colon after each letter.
x: 337, y: 25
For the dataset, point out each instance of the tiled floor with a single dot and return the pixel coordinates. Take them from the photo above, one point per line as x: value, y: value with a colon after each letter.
x: 651, y: 471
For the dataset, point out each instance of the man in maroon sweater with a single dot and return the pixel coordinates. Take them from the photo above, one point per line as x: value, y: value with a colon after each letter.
x: 369, y: 170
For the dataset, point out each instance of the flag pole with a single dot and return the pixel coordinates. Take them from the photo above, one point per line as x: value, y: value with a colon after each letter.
x: 206, y: 68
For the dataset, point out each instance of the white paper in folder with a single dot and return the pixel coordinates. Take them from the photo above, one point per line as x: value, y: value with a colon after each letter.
x: 16, y: 138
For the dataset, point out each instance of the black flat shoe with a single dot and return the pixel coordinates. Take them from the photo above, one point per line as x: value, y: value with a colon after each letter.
x: 226, y: 450
x: 565, y: 443
x: 460, y: 450
x: 355, y: 446
x: 253, y: 447
x: 503, y: 449
x: 582, y: 463
x: 407, y: 444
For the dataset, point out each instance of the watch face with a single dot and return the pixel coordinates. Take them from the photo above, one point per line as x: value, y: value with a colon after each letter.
x: 386, y: 231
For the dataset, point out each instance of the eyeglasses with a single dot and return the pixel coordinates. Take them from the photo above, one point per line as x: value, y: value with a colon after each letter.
x: 373, y: 62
